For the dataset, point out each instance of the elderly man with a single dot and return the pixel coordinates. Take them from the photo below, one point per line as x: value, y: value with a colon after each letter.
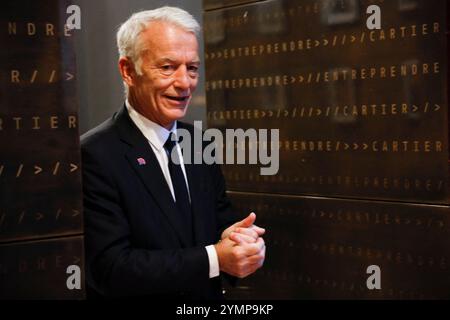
x: 155, y: 226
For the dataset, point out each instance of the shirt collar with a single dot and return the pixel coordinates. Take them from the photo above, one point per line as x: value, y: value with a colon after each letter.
x: 155, y: 134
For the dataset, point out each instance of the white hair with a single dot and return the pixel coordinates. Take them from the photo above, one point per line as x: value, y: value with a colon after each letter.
x: 129, y: 31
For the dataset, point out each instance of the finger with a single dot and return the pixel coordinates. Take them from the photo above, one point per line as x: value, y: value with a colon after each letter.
x: 260, y: 231
x: 257, y: 258
x: 242, y: 238
x: 247, y: 222
x: 249, y: 232
x: 250, y: 249
x: 227, y: 242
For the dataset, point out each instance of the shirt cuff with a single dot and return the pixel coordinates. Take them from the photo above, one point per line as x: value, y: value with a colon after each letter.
x: 214, y: 270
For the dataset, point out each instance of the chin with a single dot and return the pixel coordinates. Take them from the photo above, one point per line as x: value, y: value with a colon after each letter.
x: 177, y: 114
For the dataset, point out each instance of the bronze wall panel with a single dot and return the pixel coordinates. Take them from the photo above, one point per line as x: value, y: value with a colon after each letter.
x: 40, y: 178
x: 41, y: 222
x: 320, y: 248
x: 289, y: 65
x: 37, y: 270
x: 362, y: 117
x: 218, y: 4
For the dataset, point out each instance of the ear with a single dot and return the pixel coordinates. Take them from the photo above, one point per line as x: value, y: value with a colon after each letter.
x: 126, y: 68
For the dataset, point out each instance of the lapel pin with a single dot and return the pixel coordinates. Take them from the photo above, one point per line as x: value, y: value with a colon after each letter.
x: 141, y: 161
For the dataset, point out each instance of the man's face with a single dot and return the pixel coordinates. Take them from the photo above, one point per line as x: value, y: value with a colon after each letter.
x: 169, y: 65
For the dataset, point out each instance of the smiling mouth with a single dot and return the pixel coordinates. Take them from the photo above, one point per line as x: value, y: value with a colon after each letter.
x: 178, y: 99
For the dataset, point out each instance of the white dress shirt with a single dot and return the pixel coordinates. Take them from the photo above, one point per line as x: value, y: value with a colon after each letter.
x: 157, y: 137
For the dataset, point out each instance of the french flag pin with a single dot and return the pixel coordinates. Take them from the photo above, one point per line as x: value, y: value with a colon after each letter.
x: 141, y: 161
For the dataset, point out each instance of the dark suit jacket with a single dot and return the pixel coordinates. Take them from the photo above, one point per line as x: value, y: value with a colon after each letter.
x: 134, y: 243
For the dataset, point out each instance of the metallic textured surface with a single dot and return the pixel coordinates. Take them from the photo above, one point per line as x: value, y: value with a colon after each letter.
x: 215, y: 4
x: 320, y: 248
x: 364, y: 159
x: 40, y: 180
x: 37, y: 269
x: 361, y: 113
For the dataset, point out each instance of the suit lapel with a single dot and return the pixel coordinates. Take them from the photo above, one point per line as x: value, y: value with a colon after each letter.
x: 146, y: 165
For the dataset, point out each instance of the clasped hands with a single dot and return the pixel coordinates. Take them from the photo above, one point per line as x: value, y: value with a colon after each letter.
x: 241, y: 250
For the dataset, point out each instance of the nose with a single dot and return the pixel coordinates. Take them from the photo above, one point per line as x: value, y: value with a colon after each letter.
x: 182, y: 79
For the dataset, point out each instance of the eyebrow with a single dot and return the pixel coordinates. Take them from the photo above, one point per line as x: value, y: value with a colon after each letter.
x: 168, y: 60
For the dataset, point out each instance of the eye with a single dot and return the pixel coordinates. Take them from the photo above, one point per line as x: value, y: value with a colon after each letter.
x: 167, y: 69
x: 193, y: 70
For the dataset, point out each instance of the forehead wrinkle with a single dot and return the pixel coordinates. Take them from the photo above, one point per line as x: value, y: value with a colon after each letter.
x: 158, y: 31
x: 162, y: 42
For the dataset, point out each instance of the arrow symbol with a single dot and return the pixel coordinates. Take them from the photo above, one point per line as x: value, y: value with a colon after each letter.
x: 353, y: 38
x: 37, y: 170
x: 219, y: 54
x: 325, y: 42
x: 76, y: 260
x: 292, y: 79
x: 415, y: 108
x: 317, y: 43
x: 319, y: 112
x: 39, y: 216
x: 213, y: 55
x: 69, y: 76
x: 365, y: 146
x: 346, y: 146
x: 73, y: 167
x: 301, y: 78
x: 263, y: 114
x: 286, y: 113
x: 270, y: 114
x: 206, y: 56
x: 355, y: 146
x: 437, y: 107
x: 75, y: 213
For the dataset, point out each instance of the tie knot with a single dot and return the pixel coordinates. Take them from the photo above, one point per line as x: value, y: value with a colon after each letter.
x: 170, y: 142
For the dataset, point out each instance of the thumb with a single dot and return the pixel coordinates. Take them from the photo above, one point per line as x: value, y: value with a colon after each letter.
x: 247, y: 222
